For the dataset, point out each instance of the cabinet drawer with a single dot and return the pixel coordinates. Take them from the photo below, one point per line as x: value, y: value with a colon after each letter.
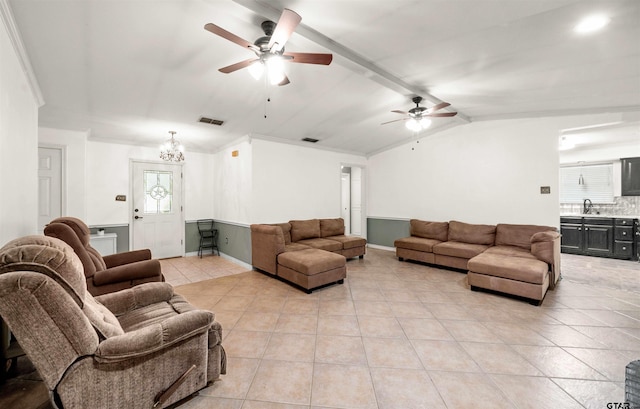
x: 624, y: 222
x: 623, y: 249
x: 623, y: 233
x: 598, y: 221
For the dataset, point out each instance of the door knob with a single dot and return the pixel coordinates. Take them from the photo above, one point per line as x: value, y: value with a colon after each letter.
x: 138, y: 217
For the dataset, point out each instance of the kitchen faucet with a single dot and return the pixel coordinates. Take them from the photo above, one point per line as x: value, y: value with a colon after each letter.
x: 587, y: 206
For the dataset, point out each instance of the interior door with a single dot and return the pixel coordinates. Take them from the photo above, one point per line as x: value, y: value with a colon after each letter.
x: 157, y: 219
x: 49, y: 185
x: 345, y: 210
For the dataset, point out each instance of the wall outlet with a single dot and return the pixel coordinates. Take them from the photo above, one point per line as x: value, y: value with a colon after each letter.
x: 226, y: 240
x: 545, y: 190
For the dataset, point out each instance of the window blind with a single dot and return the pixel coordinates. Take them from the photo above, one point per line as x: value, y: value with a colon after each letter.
x: 594, y: 182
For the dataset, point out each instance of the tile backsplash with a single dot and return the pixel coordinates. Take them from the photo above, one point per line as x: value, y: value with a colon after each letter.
x: 623, y: 206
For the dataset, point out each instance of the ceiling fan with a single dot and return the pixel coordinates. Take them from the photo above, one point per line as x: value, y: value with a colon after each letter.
x: 269, y: 49
x: 418, y: 117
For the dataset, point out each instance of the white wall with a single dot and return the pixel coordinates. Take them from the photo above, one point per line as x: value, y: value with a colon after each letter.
x: 296, y: 182
x: 18, y: 146
x: 233, y: 183
x: 484, y: 172
x: 75, y: 145
x: 601, y: 153
x: 108, y: 175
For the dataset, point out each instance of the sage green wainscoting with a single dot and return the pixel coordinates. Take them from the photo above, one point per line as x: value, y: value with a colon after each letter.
x: 384, y: 231
x: 234, y: 239
x: 122, y: 242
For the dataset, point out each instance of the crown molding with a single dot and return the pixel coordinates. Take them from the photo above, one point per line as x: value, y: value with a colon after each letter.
x: 16, y: 40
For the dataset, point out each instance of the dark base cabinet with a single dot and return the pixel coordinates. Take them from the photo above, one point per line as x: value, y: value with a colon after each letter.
x: 598, y: 236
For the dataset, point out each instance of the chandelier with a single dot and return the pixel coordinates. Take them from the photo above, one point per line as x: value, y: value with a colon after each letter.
x: 172, y: 150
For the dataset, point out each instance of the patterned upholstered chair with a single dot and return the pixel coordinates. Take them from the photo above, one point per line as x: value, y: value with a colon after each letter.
x: 109, y: 273
x: 129, y: 349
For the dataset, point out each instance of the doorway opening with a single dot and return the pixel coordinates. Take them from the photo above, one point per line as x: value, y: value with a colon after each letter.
x: 352, y: 199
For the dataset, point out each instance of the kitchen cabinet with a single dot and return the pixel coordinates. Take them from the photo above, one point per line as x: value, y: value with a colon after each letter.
x: 630, y: 176
x: 598, y: 236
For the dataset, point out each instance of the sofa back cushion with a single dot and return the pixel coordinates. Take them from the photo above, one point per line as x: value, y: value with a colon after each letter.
x: 331, y: 227
x: 472, y: 233
x: 286, y: 231
x: 304, y: 229
x: 429, y: 230
x: 518, y: 235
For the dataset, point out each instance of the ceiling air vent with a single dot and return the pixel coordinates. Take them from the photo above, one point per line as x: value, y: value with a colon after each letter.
x: 310, y: 140
x: 211, y: 121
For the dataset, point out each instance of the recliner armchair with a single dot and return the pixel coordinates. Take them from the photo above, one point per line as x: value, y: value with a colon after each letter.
x: 136, y: 348
x: 109, y: 273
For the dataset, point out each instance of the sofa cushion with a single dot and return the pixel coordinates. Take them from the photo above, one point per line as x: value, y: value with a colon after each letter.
x: 518, y: 235
x: 286, y: 231
x: 458, y: 249
x: 296, y: 247
x: 472, y: 233
x: 429, y: 230
x: 331, y: 227
x: 416, y: 243
x: 349, y: 242
x: 311, y: 261
x: 323, y: 244
x: 513, y: 268
x: 304, y: 229
x: 510, y: 251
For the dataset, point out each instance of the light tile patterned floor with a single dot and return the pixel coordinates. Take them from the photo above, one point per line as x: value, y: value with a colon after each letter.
x: 406, y: 335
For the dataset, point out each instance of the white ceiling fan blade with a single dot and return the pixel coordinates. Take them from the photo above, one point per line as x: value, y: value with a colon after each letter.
x: 288, y: 22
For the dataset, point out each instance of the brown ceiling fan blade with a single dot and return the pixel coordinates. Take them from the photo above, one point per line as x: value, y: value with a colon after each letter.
x: 395, y: 120
x: 438, y: 106
x: 441, y: 115
x: 288, y: 22
x: 285, y: 81
x: 229, y: 36
x: 237, y: 66
x: 397, y: 111
x: 309, y: 58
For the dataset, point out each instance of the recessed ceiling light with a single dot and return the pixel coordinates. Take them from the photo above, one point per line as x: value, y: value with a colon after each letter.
x: 591, y: 24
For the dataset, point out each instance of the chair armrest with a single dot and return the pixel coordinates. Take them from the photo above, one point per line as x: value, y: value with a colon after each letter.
x: 154, y: 338
x: 267, y: 242
x: 132, y: 298
x: 128, y: 272
x: 127, y: 257
x: 545, y: 246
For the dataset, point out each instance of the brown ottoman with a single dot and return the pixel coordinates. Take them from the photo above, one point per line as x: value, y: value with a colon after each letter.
x: 311, y: 268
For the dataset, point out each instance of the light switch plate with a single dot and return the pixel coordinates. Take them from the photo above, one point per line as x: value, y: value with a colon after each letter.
x: 545, y: 190
x: 121, y: 198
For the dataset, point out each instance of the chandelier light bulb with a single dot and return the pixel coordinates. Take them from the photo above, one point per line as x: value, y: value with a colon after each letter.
x: 172, y: 150
x: 275, y: 70
x: 256, y: 69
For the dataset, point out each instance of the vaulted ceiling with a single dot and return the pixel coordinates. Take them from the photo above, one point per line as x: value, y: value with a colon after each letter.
x: 131, y: 70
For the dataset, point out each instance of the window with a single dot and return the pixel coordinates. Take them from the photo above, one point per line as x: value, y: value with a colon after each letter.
x: 158, y: 192
x: 594, y: 182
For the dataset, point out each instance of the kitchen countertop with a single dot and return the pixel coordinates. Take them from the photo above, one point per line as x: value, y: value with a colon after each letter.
x: 616, y: 216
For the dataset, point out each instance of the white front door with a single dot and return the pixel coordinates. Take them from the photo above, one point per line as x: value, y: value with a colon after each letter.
x: 345, y: 210
x: 157, y: 218
x: 49, y: 185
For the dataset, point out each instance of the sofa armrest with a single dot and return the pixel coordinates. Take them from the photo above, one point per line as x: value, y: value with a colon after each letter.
x: 128, y: 272
x: 132, y: 298
x: 127, y: 257
x: 545, y: 246
x: 266, y: 243
x: 154, y: 337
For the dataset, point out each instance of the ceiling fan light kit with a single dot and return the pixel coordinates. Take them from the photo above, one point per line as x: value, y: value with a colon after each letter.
x: 269, y: 49
x: 417, y: 117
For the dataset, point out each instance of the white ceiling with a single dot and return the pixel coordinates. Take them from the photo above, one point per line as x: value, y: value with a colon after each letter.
x: 132, y: 70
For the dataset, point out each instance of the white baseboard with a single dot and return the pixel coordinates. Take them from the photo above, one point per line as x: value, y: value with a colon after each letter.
x: 375, y: 246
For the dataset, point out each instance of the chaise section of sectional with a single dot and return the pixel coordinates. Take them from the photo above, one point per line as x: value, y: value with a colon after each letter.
x: 525, y: 261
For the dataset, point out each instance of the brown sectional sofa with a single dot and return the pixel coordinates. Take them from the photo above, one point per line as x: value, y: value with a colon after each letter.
x: 522, y: 260
x: 308, y: 253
